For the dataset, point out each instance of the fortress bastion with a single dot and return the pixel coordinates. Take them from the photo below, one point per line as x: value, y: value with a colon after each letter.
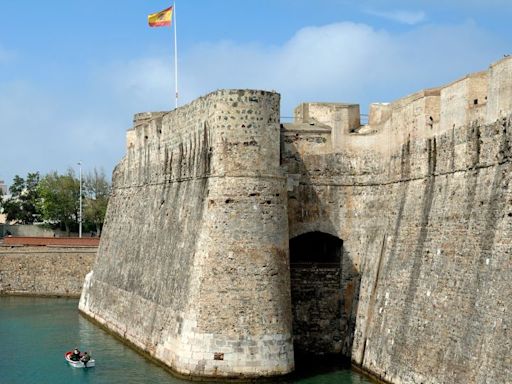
x: 234, y: 244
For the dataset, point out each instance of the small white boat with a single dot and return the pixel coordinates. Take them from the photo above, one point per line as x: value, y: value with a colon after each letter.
x: 78, y: 364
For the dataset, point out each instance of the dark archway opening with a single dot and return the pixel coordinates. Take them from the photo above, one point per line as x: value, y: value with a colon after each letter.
x: 316, y: 291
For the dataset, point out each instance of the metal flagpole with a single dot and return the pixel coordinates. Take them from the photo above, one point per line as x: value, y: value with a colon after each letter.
x: 80, y: 199
x: 175, y: 53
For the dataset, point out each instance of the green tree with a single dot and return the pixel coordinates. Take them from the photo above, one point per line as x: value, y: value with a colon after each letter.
x: 96, y: 193
x: 59, y: 201
x: 22, y: 205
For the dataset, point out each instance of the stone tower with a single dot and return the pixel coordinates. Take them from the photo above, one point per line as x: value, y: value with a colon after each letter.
x: 193, y: 265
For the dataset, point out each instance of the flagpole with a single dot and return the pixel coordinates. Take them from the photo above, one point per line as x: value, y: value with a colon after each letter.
x: 175, y: 53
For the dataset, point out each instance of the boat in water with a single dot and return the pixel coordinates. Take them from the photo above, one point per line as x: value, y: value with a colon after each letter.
x: 78, y: 363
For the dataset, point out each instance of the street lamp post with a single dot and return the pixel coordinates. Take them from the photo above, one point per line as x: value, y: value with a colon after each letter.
x: 80, y: 199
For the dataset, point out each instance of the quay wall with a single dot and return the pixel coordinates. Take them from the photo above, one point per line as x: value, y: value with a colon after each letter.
x: 44, y: 271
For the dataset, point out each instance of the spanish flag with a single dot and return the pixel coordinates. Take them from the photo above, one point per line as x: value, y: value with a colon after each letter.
x: 161, y: 19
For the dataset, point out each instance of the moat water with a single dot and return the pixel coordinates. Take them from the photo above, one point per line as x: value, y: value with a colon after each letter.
x: 35, y: 333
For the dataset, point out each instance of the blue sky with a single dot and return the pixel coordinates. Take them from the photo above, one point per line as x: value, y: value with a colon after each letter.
x: 73, y: 72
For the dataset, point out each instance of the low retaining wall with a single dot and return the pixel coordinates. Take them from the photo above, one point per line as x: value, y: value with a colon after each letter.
x: 59, y: 241
x: 44, y: 271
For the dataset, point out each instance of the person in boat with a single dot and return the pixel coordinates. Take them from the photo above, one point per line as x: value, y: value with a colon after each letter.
x: 75, y: 356
x: 85, y: 358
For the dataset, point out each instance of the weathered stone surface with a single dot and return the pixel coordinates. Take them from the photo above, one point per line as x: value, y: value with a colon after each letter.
x: 425, y: 220
x: 194, y: 269
x: 202, y: 282
x: 434, y: 291
x: 44, y: 271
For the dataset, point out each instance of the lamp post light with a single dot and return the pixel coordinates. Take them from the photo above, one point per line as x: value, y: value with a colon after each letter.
x: 80, y: 199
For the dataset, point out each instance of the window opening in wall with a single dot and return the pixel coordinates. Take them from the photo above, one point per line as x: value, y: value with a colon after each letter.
x: 475, y: 102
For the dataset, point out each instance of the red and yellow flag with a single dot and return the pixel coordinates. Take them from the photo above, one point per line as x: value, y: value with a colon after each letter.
x: 160, y: 19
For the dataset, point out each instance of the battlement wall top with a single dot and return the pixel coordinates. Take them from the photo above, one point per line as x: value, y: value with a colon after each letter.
x: 227, y: 132
x: 405, y: 101
x: 457, y: 101
x: 483, y: 96
x: 172, y: 126
x: 321, y: 111
x: 499, y: 97
x: 143, y: 117
x: 305, y: 127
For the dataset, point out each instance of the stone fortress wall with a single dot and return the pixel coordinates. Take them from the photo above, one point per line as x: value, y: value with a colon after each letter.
x: 423, y: 207
x: 411, y: 216
x: 202, y: 283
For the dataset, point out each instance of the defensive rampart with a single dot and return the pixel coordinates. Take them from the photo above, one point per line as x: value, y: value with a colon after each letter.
x: 424, y: 210
x: 193, y: 263
x: 396, y: 235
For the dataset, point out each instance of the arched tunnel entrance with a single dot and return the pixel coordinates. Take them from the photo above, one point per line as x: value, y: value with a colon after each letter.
x: 316, y: 291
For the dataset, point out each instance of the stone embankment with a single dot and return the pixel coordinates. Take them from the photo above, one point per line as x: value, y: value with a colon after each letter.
x: 44, y: 270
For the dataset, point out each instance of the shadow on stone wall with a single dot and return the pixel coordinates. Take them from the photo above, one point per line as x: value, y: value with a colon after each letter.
x: 325, y: 283
x: 315, y: 271
x: 417, y: 255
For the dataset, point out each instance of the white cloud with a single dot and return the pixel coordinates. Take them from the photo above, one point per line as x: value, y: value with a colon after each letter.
x: 341, y: 62
x: 401, y: 16
x: 314, y: 63
x: 444, y: 4
x: 338, y: 62
x: 6, y: 55
x: 42, y: 132
x: 141, y: 83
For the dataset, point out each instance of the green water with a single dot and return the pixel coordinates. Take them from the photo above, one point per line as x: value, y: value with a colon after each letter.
x: 35, y: 333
